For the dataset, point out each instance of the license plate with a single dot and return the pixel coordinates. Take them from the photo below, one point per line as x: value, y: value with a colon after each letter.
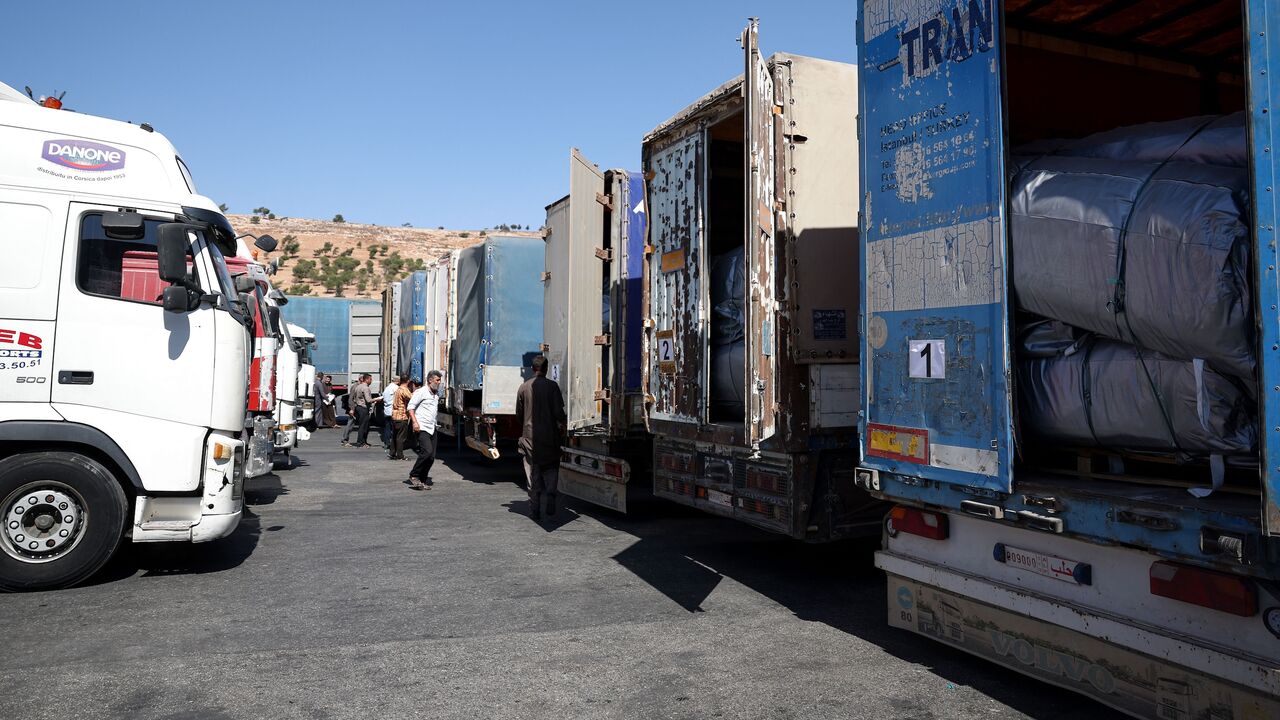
x: 1058, y: 568
x: 720, y: 498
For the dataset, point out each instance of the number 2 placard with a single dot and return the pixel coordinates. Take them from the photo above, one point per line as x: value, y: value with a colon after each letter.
x: 927, y: 359
x: 666, y: 352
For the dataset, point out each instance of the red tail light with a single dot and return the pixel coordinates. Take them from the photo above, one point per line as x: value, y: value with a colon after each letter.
x: 917, y: 522
x: 1206, y: 588
x: 613, y: 469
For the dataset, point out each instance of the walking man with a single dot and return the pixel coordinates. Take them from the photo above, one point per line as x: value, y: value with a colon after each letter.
x: 423, y: 408
x: 361, y: 398
x: 540, y: 408
x: 330, y: 411
x: 318, y: 391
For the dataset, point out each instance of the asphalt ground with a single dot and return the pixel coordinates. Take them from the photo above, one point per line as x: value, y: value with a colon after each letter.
x: 345, y: 594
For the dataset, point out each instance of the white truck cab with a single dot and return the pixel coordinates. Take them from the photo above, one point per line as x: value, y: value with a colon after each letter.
x: 123, y: 349
x: 303, y: 340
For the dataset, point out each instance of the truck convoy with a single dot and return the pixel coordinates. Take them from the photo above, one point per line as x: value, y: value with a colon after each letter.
x: 79, y: 471
x: 475, y: 315
x: 1070, y: 388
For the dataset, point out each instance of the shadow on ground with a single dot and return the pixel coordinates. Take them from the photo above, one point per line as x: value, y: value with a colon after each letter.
x: 184, y: 558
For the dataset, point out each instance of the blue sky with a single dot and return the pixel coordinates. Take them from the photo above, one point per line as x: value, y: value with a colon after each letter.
x: 458, y: 114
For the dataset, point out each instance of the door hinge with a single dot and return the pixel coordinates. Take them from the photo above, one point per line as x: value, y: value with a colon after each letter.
x: 649, y: 174
x: 649, y: 249
x: 602, y: 339
x: 649, y: 399
x: 604, y: 254
x: 602, y: 395
x: 546, y: 275
x: 546, y: 232
x: 648, y: 322
x: 605, y: 200
x: 544, y: 347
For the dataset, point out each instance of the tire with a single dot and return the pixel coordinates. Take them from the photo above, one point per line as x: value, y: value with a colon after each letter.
x: 94, y: 500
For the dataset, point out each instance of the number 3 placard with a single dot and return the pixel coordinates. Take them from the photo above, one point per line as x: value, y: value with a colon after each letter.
x: 927, y: 358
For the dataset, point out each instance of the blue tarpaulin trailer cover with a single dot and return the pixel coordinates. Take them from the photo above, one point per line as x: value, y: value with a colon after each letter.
x: 413, y: 319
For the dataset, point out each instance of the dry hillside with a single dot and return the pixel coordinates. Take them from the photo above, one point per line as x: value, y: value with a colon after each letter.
x: 360, y: 258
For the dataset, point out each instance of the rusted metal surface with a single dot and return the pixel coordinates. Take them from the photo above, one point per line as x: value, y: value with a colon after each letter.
x: 762, y: 305
x: 675, y: 354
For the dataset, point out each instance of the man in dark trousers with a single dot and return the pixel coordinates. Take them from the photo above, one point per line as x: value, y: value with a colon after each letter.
x: 422, y: 408
x: 540, y: 407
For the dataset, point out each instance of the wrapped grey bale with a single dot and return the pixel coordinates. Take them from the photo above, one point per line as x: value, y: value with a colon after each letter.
x: 1078, y: 389
x: 1165, y: 244
x: 1207, y: 140
x: 728, y: 364
x: 728, y: 292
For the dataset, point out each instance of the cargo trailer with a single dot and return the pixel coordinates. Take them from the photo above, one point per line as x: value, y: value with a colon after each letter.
x: 497, y: 319
x: 750, y: 327
x: 390, y: 339
x: 412, y: 323
x: 348, y: 336
x: 593, y: 273
x: 1060, y: 203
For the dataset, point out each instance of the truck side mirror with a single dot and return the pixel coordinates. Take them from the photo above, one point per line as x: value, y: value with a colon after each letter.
x: 265, y: 243
x: 171, y: 250
x: 178, y: 299
x: 123, y: 225
x: 245, y: 285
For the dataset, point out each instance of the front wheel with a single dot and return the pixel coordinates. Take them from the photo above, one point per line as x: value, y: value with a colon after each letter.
x: 64, y: 516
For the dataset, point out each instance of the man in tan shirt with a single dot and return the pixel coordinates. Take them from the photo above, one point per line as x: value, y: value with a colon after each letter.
x: 400, y: 417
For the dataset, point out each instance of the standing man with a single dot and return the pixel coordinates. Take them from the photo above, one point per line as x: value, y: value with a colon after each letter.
x: 330, y: 410
x: 388, y: 397
x: 318, y: 391
x: 423, y: 407
x: 540, y: 408
x: 360, y: 397
x: 400, y: 417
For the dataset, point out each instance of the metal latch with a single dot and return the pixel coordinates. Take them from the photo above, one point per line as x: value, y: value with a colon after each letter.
x: 1049, y: 504
x: 1040, y: 522
x: 605, y: 200
x: 602, y: 339
x: 995, y: 512
x: 602, y: 395
x: 605, y: 255
x: 1223, y: 544
x: 1151, y: 522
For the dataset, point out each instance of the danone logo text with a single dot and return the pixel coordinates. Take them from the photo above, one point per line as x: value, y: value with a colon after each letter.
x: 83, y: 155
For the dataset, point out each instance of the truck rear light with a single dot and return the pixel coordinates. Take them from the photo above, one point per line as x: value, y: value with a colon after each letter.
x: 1206, y: 588
x: 613, y: 469
x: 700, y: 493
x: 916, y: 522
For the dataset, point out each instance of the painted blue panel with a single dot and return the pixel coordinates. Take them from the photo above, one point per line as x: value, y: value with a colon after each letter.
x: 412, y: 344
x: 633, y: 277
x: 330, y: 320
x: 513, y: 300
x: 1264, y: 90
x: 935, y: 320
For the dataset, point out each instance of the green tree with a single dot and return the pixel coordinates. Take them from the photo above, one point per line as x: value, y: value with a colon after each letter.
x: 254, y: 220
x: 261, y: 211
x: 303, y: 269
x: 464, y: 235
x: 406, y: 225
x: 289, y: 247
x: 300, y: 288
x: 339, y: 219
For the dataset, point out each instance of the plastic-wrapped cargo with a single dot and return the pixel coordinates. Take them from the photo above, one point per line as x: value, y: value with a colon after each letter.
x: 1076, y: 388
x: 1153, y: 254
x: 1207, y: 140
x: 728, y: 363
x: 728, y: 290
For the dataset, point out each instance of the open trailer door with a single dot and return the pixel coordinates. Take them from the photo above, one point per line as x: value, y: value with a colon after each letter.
x: 762, y: 303
x: 936, y: 393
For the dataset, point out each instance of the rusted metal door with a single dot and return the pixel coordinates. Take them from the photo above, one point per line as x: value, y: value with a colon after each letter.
x: 674, y: 345
x: 762, y: 304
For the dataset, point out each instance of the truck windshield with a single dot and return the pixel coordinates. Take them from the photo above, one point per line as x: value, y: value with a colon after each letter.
x: 224, y: 275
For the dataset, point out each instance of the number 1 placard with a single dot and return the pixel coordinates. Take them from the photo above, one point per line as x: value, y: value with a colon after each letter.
x: 927, y: 359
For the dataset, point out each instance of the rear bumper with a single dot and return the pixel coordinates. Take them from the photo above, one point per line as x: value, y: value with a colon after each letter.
x: 1122, y: 662
x: 596, y: 478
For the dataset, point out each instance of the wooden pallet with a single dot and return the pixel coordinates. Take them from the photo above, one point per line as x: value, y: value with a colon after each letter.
x: 1142, y: 469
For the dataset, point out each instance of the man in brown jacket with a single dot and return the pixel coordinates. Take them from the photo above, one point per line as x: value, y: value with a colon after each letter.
x: 540, y: 407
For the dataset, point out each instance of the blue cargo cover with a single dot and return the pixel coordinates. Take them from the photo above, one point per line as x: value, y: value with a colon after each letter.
x: 413, y: 319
